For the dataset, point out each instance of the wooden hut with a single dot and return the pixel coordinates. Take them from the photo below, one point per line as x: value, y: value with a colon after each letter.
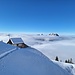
x: 17, y: 42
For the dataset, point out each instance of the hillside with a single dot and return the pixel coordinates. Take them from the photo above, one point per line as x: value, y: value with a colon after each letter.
x: 27, y: 61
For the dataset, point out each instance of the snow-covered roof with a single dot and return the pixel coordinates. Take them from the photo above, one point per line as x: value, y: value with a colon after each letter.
x: 16, y: 40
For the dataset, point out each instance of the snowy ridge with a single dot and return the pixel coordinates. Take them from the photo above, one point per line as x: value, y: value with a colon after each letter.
x: 27, y: 61
x: 68, y: 67
x: 6, y: 53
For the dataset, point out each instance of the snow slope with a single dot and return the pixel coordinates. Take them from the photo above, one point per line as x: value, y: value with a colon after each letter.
x: 68, y: 67
x: 4, y: 47
x: 27, y: 61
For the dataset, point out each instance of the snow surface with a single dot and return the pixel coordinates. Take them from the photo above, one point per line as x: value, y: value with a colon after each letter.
x: 6, y: 53
x: 68, y: 67
x: 28, y: 61
x: 4, y: 47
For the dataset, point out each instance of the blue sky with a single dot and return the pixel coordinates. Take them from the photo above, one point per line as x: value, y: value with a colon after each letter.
x: 33, y: 16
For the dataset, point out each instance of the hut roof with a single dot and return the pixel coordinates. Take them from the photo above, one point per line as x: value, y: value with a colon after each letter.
x: 16, y: 40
